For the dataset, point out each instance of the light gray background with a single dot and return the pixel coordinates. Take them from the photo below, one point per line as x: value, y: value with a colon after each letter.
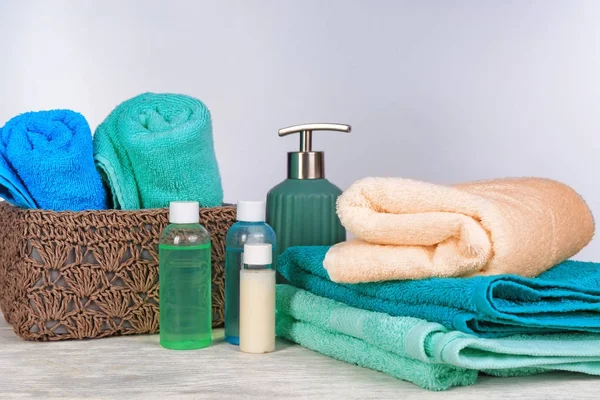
x: 444, y: 91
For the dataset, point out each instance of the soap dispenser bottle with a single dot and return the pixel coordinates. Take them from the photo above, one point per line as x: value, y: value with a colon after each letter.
x: 301, y: 209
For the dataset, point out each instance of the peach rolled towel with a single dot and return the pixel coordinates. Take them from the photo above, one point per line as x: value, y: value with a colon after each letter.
x: 408, y: 229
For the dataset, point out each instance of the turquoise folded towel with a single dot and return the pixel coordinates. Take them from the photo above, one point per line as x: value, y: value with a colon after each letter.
x: 565, y: 298
x: 315, y: 334
x: 157, y: 148
x: 431, y: 342
x: 46, y: 161
x: 358, y: 352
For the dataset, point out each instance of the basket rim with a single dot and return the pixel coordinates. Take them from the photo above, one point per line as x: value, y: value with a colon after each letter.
x: 107, y: 212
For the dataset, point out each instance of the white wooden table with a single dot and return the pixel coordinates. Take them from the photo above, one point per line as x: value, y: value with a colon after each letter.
x: 136, y: 367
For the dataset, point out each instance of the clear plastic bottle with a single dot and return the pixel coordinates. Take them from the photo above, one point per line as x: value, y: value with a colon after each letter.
x: 185, y: 280
x: 250, y: 228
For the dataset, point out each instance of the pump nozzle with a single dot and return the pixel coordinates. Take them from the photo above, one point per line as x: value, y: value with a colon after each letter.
x: 308, y: 164
x: 305, y: 131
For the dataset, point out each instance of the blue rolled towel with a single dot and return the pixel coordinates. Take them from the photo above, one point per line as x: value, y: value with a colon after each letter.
x: 48, y: 162
x: 564, y: 298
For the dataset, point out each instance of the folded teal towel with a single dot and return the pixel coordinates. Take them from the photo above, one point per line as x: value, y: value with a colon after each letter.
x: 358, y: 352
x: 432, y: 342
x: 565, y: 298
x: 46, y: 161
x: 157, y: 148
x: 392, y: 344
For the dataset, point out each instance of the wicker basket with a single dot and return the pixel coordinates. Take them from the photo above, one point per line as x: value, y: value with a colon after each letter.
x: 75, y: 275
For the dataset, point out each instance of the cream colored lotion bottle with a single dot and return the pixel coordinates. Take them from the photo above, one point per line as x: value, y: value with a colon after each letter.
x: 257, y: 300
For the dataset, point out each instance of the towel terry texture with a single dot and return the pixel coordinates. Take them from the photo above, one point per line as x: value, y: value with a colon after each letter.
x: 564, y: 298
x: 355, y: 351
x: 157, y: 148
x: 408, y: 229
x: 358, y: 352
x: 46, y: 161
x: 11, y: 186
x: 420, y: 340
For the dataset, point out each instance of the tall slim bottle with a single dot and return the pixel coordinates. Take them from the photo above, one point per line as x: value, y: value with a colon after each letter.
x: 185, y: 280
x: 249, y: 228
x: 301, y: 209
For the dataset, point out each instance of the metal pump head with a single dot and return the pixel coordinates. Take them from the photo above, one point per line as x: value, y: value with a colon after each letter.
x: 308, y: 164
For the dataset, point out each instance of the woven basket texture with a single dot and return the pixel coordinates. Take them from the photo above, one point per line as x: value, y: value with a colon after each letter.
x: 92, y: 274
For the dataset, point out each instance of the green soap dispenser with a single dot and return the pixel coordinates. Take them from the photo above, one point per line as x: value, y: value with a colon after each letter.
x: 301, y: 209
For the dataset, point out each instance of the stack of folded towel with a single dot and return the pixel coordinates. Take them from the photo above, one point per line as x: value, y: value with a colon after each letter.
x: 465, y: 280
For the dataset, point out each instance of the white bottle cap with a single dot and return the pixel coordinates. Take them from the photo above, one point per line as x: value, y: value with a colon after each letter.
x: 258, y: 254
x: 251, y: 211
x: 184, y: 212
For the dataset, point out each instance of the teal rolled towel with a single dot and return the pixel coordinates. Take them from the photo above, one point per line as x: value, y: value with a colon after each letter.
x: 157, y: 148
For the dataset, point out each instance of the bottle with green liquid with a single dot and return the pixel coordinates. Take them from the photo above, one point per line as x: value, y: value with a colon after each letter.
x: 185, y: 280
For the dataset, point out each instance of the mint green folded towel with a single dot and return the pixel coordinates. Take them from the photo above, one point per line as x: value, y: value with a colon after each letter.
x: 358, y: 352
x: 438, y: 358
x: 157, y: 148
